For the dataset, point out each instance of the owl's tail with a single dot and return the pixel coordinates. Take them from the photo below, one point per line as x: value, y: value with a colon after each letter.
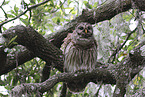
x: 77, y: 85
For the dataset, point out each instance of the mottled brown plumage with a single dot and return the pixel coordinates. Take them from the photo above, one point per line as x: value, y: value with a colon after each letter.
x: 80, y: 50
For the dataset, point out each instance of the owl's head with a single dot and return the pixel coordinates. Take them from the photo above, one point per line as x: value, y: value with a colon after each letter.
x: 84, y: 30
x: 82, y: 36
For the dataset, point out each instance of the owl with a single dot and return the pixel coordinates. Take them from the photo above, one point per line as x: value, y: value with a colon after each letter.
x: 80, y: 54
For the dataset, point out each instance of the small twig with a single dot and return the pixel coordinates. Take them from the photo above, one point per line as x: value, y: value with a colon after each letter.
x: 58, y: 8
x: 4, y: 13
x: 17, y: 62
x: 78, y: 9
x: 6, y: 17
x: 30, y: 17
x: 120, y: 47
x: 29, y: 8
x: 63, y: 90
x: 2, y: 3
x: 97, y: 93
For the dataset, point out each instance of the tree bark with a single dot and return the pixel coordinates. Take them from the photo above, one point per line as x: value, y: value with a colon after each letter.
x: 48, y: 50
x: 104, y: 12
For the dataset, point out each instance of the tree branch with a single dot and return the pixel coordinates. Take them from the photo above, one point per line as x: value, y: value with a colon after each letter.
x: 106, y: 75
x: 96, y: 15
x: 104, y: 12
x: 140, y: 4
x: 120, y: 47
x: 102, y: 74
x: 29, y: 8
x: 10, y: 63
x: 111, y: 75
x: 63, y: 90
x: 40, y: 47
x: 127, y: 69
x: 36, y: 44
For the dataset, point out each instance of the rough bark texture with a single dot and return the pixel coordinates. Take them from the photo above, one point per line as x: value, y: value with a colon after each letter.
x: 37, y: 46
x: 64, y: 77
x: 35, y: 43
x: 105, y: 12
x: 140, y: 4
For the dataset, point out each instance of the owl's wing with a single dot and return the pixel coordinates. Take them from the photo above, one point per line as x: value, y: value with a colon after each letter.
x: 67, y: 40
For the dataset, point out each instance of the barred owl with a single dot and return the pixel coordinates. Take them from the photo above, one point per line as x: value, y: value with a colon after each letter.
x: 80, y: 53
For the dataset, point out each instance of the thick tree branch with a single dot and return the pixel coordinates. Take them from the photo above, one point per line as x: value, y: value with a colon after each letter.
x: 102, y: 74
x: 10, y: 63
x: 40, y: 47
x: 108, y: 76
x: 127, y: 69
x: 93, y: 16
x: 63, y: 90
x: 118, y: 75
x: 36, y: 44
x: 104, y: 12
x: 105, y: 75
x: 140, y: 4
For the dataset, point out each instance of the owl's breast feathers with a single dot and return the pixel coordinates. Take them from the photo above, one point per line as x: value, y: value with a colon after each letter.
x: 79, y: 54
x: 84, y: 43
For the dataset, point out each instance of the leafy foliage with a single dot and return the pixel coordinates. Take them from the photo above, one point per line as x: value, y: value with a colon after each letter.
x: 50, y: 17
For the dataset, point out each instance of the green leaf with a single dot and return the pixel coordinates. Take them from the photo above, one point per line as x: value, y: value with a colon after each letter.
x: 25, y: 21
x: 12, y: 11
x: 95, y: 4
x: 32, y: 1
x: 71, y: 10
x: 127, y: 17
x: 15, y: 80
x: 58, y: 21
x: 69, y: 1
x: 16, y: 9
x: 10, y: 15
x: 89, y: 6
x: 15, y: 43
x: 4, y: 28
x: 2, y: 82
x: 14, y: 38
x: 6, y: 2
x: 85, y: 2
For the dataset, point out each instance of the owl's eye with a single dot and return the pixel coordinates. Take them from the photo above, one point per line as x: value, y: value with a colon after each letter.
x: 79, y: 33
x: 81, y: 28
x: 89, y: 28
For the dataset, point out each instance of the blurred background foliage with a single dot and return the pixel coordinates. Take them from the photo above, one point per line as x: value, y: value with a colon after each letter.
x: 49, y: 18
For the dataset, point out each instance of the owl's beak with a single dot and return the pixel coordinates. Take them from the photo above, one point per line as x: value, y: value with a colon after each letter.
x: 85, y: 30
